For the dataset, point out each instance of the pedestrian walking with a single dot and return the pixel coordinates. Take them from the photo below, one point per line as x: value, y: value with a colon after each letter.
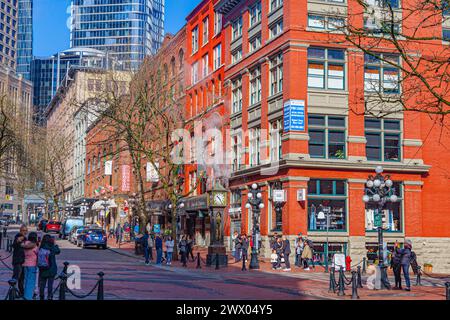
x: 145, y: 247
x: 306, y: 255
x: 278, y: 247
x: 190, y: 247
x: 169, y: 247
x: 244, y: 246
x: 298, y: 250
x: 396, y: 267
x: 274, y: 259
x: 158, y: 247
x: 18, y: 257
x: 119, y: 234
x: 233, y: 244
x: 286, y: 252
x: 183, y: 250
x: 164, y: 258
x: 238, y: 247
x: 405, y: 261
x: 30, y: 265
x: 47, y: 266
x: 151, y: 245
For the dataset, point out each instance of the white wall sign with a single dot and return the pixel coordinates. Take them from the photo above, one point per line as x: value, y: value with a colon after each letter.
x: 301, y: 195
x: 108, y: 168
x: 339, y: 261
x: 279, y: 195
x: 152, y: 172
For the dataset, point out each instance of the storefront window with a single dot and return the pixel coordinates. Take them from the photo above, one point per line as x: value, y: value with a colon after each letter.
x: 391, y: 215
x: 372, y: 251
x: 327, y: 202
x: 321, y: 249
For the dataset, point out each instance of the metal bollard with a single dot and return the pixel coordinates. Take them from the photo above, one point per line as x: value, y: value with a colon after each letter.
x: 364, y: 266
x: 199, y: 266
x: 332, y: 287
x: 100, y: 290
x: 66, y: 265
x: 341, y: 284
x: 217, y: 261
x: 447, y: 290
x: 62, y: 286
x: 419, y: 276
x: 354, y: 286
x: 359, y: 277
x: 244, y: 267
x: 12, y: 289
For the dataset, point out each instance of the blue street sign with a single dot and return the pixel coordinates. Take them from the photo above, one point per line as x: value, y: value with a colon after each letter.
x: 156, y: 228
x: 294, y: 115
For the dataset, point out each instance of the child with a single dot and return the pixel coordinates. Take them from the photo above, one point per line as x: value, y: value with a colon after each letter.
x: 274, y: 259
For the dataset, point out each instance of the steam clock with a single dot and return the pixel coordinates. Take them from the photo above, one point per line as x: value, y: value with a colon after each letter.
x: 217, y: 201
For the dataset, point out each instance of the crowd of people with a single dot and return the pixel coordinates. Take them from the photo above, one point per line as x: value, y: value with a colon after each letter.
x: 32, y: 259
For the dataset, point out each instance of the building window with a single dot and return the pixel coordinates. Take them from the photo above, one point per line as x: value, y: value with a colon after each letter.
x: 275, y: 134
x: 255, y: 85
x: 327, y: 201
x: 326, y: 136
x: 195, y: 40
x: 275, y: 4
x: 205, y: 26
x: 237, y: 95
x: 255, y: 142
x: 276, y: 29
x: 325, y: 22
x: 236, y: 55
x: 276, y: 74
x: 217, y: 23
x: 255, y: 14
x: 236, y: 28
x: 381, y: 73
x: 323, y: 249
x: 193, y: 183
x: 326, y: 68
x: 394, y: 4
x: 383, y: 139
x: 205, y: 65
x: 217, y: 56
x: 193, y: 150
x: 445, y: 34
x: 195, y: 73
x: 254, y: 43
x: 237, y: 151
x: 9, y: 190
x: 391, y: 216
x: 375, y: 26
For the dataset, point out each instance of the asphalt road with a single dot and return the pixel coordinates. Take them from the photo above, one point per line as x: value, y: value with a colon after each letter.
x: 129, y: 278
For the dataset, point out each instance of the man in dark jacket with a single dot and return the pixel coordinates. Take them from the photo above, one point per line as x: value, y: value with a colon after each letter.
x: 405, y: 261
x: 145, y: 246
x: 245, y: 245
x: 278, y: 247
x: 18, y: 257
x: 238, y: 247
x: 396, y: 267
x: 286, y: 252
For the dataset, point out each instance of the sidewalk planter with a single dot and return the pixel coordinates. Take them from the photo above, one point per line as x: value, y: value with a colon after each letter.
x: 428, y: 268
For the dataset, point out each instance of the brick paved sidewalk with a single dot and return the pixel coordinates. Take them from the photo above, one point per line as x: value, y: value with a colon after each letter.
x: 316, y: 280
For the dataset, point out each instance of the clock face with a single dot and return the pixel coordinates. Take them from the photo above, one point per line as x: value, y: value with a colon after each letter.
x: 219, y: 199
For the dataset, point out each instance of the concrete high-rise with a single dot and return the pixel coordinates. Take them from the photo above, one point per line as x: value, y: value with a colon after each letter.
x: 8, y: 32
x: 25, y: 38
x: 128, y: 29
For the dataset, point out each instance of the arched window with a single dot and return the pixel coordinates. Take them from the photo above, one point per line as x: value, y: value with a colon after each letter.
x: 173, y: 66
x: 166, y: 73
x: 93, y: 164
x: 181, y: 58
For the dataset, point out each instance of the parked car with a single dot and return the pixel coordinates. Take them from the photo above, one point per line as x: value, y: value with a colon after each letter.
x: 52, y: 226
x: 75, y: 233
x: 68, y: 225
x: 93, y: 237
x: 41, y: 225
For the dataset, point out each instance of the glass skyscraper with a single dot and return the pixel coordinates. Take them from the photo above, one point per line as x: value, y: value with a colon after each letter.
x: 25, y: 38
x: 128, y: 29
x: 8, y: 33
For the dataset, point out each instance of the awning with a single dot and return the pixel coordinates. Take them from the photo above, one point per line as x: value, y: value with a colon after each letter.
x: 100, y: 204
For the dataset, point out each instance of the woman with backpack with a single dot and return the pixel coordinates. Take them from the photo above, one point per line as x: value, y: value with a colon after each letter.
x: 47, y: 266
x: 30, y: 265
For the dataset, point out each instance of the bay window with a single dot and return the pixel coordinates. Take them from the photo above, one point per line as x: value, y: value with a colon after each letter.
x: 383, y: 139
x: 326, y: 68
x: 327, y: 202
x: 326, y: 136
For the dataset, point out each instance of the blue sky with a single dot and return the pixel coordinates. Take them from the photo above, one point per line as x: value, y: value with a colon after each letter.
x: 51, y: 33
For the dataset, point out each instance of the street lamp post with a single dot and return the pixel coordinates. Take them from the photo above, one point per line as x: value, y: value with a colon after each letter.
x: 378, y: 192
x: 255, y: 202
x: 105, y: 205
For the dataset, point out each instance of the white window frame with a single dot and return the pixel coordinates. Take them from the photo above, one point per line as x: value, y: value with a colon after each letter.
x: 194, y: 72
x: 255, y: 86
x: 275, y: 135
x: 217, y: 56
x: 275, y: 29
x: 236, y: 55
x: 195, y: 40
x: 255, y: 143
x: 276, y: 74
x: 236, y: 28
x: 217, y: 23
x: 254, y: 43
x: 255, y: 14
x: 205, y: 65
x: 237, y: 95
x: 205, y: 34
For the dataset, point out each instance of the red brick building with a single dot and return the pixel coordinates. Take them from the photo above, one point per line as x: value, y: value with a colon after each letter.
x: 277, y: 59
x: 204, y: 112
